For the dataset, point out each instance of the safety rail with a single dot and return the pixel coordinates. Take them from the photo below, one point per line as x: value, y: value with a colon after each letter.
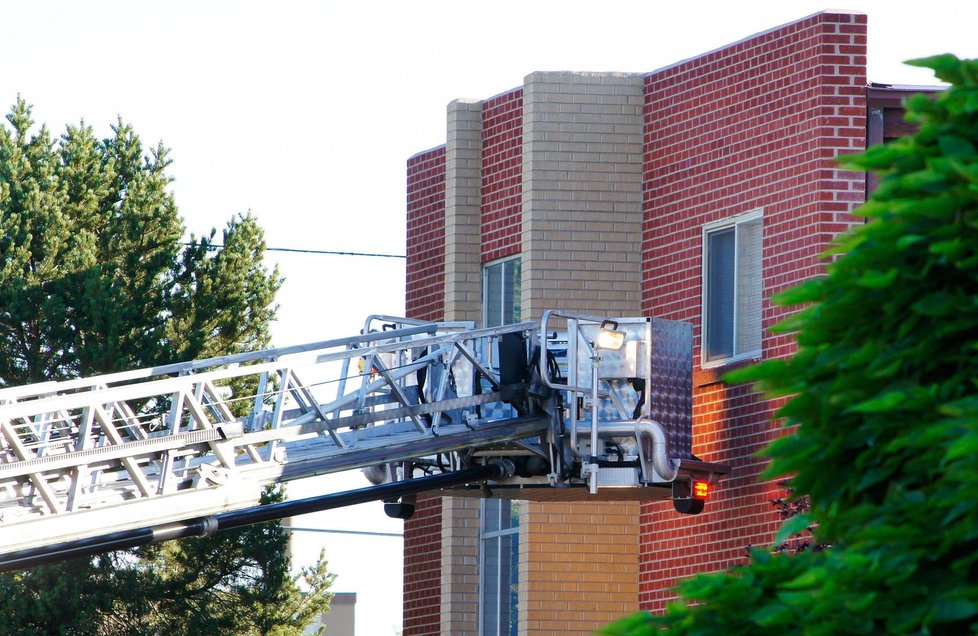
x: 615, y: 383
x: 196, y: 438
x: 174, y: 449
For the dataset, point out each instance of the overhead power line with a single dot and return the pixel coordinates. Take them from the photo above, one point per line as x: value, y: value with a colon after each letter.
x: 289, y: 249
x: 215, y: 246
x: 332, y: 531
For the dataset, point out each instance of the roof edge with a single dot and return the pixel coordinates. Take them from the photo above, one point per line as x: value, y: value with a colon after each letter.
x: 752, y: 36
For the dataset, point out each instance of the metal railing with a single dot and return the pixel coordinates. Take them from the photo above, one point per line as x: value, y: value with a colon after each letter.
x: 201, y: 437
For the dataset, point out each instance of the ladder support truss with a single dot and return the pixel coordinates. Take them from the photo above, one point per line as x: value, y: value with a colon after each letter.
x: 182, y: 449
x: 77, y: 456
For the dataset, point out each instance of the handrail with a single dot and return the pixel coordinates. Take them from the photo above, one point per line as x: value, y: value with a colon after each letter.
x: 414, y: 322
x: 576, y: 319
x: 542, y: 362
x: 45, y: 388
x: 60, y: 399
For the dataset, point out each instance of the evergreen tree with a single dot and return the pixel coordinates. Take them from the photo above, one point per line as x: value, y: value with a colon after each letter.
x: 94, y: 279
x: 883, y: 401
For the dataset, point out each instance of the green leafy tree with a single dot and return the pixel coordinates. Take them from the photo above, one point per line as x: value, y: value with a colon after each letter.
x: 94, y: 278
x: 884, y: 401
x: 237, y: 582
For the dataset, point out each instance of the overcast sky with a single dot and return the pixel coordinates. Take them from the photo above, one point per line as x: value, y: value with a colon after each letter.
x: 305, y: 113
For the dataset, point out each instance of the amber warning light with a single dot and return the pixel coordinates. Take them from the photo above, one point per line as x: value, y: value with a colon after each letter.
x: 701, y: 489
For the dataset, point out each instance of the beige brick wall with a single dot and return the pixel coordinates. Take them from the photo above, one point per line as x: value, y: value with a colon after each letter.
x: 582, y: 236
x: 463, y: 201
x: 581, y: 249
x: 463, y: 301
x: 578, y: 566
x: 460, y: 566
x: 582, y: 193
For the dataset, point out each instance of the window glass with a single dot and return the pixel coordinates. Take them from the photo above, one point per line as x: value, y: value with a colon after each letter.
x: 499, y: 558
x: 490, y: 586
x: 720, y: 294
x: 501, y: 292
x: 492, y: 302
x: 733, y: 289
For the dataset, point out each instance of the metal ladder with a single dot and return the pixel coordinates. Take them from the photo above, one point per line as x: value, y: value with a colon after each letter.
x: 172, y: 442
x: 403, y: 400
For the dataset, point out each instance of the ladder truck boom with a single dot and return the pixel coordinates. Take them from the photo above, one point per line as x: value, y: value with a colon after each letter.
x: 544, y: 411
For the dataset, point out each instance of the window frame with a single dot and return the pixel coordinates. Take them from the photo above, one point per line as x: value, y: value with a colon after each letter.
x: 511, y: 530
x: 517, y: 289
x: 710, y: 228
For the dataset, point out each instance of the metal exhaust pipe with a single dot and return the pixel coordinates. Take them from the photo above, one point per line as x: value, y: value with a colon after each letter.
x: 653, y: 451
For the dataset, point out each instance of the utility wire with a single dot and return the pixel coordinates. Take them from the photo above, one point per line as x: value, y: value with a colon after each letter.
x: 215, y: 246
x: 359, y: 532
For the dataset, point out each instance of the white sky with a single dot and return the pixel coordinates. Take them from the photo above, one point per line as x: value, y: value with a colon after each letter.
x: 305, y: 113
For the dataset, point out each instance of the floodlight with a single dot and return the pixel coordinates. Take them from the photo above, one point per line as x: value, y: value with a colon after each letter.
x: 609, y: 337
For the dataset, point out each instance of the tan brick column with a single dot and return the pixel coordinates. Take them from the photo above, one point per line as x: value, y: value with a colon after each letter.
x: 582, y: 237
x: 463, y: 301
x: 463, y: 201
x: 460, y: 566
x: 578, y: 566
x: 582, y: 193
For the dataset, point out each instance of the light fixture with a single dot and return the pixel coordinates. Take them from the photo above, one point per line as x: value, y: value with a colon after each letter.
x: 701, y: 489
x: 609, y: 337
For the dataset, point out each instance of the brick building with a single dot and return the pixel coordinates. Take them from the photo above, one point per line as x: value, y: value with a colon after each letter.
x: 693, y: 192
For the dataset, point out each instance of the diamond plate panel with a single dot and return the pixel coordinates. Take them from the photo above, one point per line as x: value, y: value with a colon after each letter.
x: 670, y: 391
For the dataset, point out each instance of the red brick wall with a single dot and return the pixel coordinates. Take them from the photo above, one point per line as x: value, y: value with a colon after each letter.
x: 422, y: 568
x: 425, y: 291
x: 502, y: 175
x: 753, y: 125
x: 425, y: 299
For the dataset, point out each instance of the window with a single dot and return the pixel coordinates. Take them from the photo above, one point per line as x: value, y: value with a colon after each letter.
x: 499, y: 519
x: 501, y: 293
x: 499, y: 538
x: 732, y: 286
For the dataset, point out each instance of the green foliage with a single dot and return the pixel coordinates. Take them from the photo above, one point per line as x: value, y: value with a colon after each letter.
x: 94, y: 279
x: 245, y: 589
x: 237, y: 582
x: 885, y: 400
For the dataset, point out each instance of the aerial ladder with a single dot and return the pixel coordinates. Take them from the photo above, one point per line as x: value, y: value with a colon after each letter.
x: 572, y: 407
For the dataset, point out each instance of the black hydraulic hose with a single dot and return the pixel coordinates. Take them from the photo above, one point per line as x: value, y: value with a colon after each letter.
x: 127, y: 539
x: 259, y: 514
